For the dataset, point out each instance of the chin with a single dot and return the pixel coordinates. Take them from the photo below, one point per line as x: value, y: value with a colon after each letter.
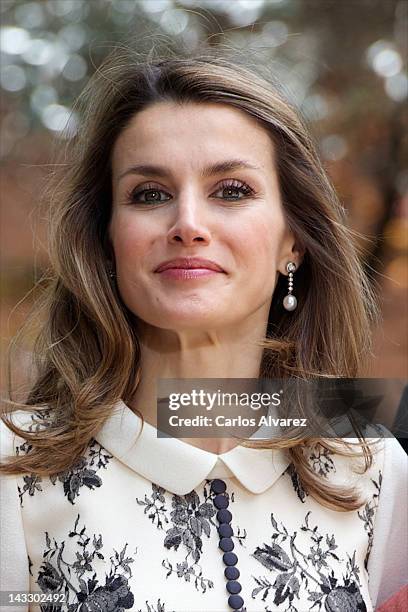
x: 184, y: 317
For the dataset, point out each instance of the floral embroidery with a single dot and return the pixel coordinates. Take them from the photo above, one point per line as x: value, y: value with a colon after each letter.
x: 301, y: 565
x: 311, y: 570
x: 55, y: 575
x: 367, y: 515
x: 155, y: 506
x: 31, y: 485
x: 296, y: 482
x: 239, y: 536
x: 321, y: 462
x: 82, y: 473
x: 190, y: 573
x: 151, y: 608
x: 191, y: 519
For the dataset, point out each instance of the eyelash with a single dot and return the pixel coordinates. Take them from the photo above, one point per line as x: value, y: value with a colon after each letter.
x: 226, y: 184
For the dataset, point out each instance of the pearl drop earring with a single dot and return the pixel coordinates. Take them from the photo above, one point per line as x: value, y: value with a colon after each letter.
x: 290, y: 302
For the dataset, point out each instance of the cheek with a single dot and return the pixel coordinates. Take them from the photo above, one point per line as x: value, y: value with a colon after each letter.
x: 130, y: 242
x: 257, y: 245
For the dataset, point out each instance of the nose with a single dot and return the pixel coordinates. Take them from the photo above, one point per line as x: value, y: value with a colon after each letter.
x: 189, y: 227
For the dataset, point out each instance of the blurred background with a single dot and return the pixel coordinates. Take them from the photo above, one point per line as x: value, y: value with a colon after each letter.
x: 342, y: 63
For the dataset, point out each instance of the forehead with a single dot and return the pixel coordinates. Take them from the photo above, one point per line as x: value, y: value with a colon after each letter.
x: 186, y: 136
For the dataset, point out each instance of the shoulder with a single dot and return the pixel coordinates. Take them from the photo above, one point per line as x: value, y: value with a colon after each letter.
x: 14, y: 573
x: 12, y: 444
x: 9, y: 440
x: 395, y: 458
x: 384, y: 448
x: 390, y: 458
x: 379, y: 476
x: 394, y: 474
x: 346, y: 461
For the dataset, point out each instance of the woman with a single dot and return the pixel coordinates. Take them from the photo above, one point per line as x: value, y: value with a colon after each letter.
x: 191, y: 213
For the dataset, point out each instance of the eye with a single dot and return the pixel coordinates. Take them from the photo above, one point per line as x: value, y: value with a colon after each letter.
x: 232, y: 188
x: 151, y: 193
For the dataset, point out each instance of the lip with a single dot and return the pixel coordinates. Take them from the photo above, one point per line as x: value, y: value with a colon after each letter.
x: 190, y: 264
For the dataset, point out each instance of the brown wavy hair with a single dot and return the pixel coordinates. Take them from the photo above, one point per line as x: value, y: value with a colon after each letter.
x: 86, y: 351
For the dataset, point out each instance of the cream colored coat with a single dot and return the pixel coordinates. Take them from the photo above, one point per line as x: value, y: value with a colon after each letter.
x: 133, y: 527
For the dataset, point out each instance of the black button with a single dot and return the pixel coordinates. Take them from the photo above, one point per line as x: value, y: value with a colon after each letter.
x: 225, y: 530
x: 231, y: 573
x: 233, y: 587
x: 235, y: 601
x: 221, y: 501
x: 230, y: 558
x: 226, y: 544
x: 224, y: 516
x: 218, y: 486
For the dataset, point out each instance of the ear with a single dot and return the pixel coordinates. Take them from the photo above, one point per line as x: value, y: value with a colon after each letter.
x: 290, y: 251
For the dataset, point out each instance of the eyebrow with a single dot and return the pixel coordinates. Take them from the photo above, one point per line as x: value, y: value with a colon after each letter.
x: 217, y: 168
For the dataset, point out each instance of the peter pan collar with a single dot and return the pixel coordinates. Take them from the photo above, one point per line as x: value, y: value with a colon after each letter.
x: 179, y: 467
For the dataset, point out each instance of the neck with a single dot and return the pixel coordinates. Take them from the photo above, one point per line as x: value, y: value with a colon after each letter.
x: 196, y: 354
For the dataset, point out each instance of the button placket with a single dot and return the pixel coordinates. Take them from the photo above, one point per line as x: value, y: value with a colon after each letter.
x: 226, y: 544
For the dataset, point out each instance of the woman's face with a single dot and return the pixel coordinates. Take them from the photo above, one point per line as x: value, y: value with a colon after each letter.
x: 197, y: 228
